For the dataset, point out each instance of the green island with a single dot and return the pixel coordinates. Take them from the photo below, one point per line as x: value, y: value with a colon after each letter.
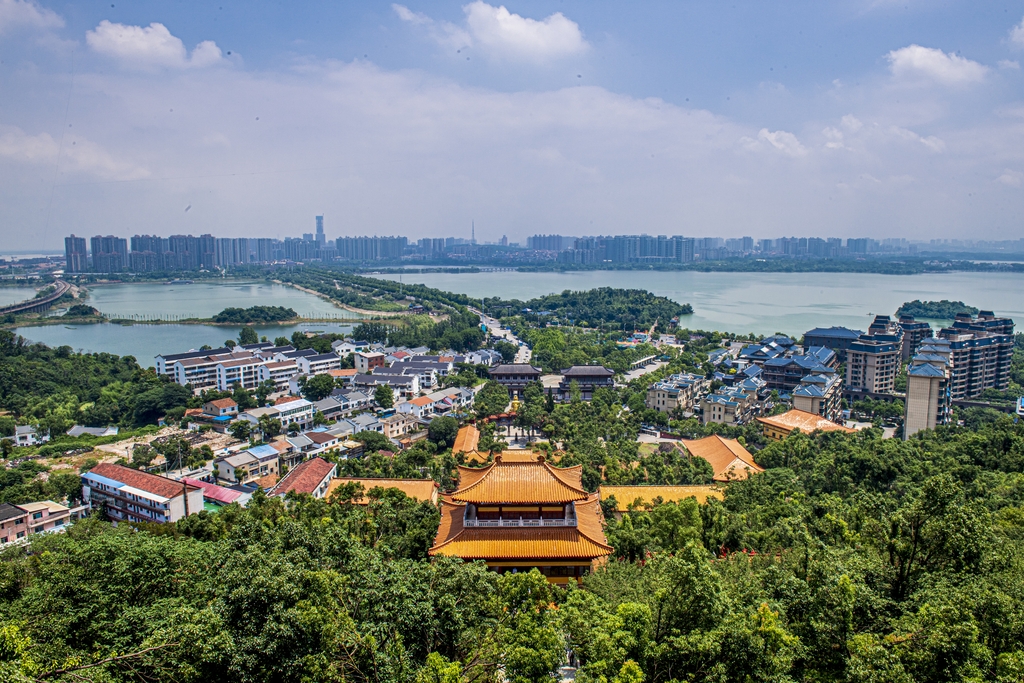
x: 602, y: 306
x: 852, y: 558
x: 939, y: 310
x: 255, y: 315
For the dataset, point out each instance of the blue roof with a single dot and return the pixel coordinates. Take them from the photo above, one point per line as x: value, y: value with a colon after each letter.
x: 834, y: 332
x: 222, y: 418
x: 260, y: 451
x: 925, y: 371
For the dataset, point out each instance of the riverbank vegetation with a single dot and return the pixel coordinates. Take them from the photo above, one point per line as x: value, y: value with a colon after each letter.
x: 623, y: 308
x: 255, y: 315
x: 938, y: 310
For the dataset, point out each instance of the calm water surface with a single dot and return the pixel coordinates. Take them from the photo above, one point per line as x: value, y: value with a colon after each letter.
x: 201, y: 300
x: 14, y: 295
x: 146, y: 341
x: 762, y: 303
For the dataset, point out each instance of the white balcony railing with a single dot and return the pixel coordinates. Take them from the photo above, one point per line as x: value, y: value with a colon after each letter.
x: 518, y: 522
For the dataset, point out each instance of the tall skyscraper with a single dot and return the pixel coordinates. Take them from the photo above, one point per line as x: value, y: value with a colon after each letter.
x: 109, y: 254
x: 321, y: 239
x: 77, y: 260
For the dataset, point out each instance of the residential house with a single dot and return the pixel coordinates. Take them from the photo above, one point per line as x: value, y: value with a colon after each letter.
x: 403, y: 386
x: 728, y: 406
x: 26, y: 435
x: 318, y: 364
x: 366, y: 361
x: 247, y: 465
x: 46, y: 516
x: 421, y: 407
x: 838, y: 339
x: 280, y: 372
x: 216, y: 497
x: 136, y: 496
x: 399, y: 424
x: 222, y: 407
x: 13, y: 524
x: 312, y: 477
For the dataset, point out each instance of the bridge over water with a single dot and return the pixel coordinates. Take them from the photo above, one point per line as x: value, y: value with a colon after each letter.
x: 38, y: 305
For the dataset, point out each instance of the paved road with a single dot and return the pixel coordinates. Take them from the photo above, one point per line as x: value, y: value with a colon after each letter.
x: 641, y: 371
x: 495, y: 328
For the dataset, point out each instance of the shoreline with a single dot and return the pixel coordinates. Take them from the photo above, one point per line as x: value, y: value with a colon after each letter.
x: 345, y: 307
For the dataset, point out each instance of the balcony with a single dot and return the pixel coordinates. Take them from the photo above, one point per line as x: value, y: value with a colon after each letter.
x: 518, y: 522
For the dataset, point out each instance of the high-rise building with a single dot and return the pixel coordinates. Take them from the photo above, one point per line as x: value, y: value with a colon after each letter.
x: 75, y: 255
x: 109, y: 254
x: 982, y: 349
x: 371, y: 248
x: 321, y: 239
x: 914, y: 332
x: 928, y: 397
x: 875, y: 359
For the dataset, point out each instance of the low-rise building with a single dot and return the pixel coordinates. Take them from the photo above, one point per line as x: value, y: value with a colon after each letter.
x: 588, y: 378
x: 729, y: 459
x: 366, y: 361
x: 839, y: 339
x: 247, y: 465
x: 784, y: 374
x: 280, y: 372
x: 515, y: 376
x: 26, y: 435
x: 399, y: 424
x: 728, y: 406
x: 403, y: 386
x: 13, y: 524
x: 419, y: 490
x: 421, y: 407
x: 312, y: 477
x: 778, y: 427
x: 318, y: 364
x: 136, y: 496
x: 628, y: 498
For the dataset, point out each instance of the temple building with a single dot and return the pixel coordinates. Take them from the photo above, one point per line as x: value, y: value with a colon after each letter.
x: 519, y: 513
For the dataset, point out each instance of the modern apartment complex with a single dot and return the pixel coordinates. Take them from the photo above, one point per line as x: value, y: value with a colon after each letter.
x: 928, y: 400
x: 981, y: 350
x: 874, y: 360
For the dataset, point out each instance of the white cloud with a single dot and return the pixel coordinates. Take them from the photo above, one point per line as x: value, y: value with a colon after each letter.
x: 852, y: 123
x: 502, y: 35
x: 1017, y: 34
x: 78, y: 154
x: 782, y: 141
x: 1011, y: 178
x: 27, y: 14
x: 150, y: 46
x: 1009, y: 64
x: 925, y: 63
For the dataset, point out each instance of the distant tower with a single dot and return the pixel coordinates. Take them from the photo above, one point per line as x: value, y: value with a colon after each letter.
x: 321, y: 240
x: 472, y: 238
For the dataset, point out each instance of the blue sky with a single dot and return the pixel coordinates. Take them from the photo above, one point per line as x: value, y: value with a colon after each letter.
x: 869, y: 117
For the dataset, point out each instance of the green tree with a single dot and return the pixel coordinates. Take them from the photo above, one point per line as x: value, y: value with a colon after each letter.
x: 317, y: 387
x: 372, y: 441
x: 248, y: 336
x: 384, y: 396
x: 443, y: 430
x: 492, y: 399
x: 240, y: 430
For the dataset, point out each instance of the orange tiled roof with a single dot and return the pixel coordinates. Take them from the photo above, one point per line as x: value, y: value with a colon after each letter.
x: 729, y: 459
x: 348, y: 372
x: 627, y: 495
x: 467, y: 439
x: 804, y: 421
x: 285, y: 399
x: 417, y: 489
x: 223, y: 403
x: 520, y: 482
x: 267, y: 482
x: 584, y: 542
x: 422, y: 401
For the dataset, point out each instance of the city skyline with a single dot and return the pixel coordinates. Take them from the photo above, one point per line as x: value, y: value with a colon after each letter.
x: 859, y: 118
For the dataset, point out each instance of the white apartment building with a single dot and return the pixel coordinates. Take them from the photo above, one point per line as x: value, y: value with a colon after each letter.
x: 135, y: 496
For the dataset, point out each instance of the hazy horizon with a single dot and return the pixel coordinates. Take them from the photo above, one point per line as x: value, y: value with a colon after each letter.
x: 858, y: 118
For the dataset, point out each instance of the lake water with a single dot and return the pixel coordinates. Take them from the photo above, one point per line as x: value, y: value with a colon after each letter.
x: 146, y: 341
x: 762, y: 303
x: 15, y: 295
x: 204, y: 299
x: 199, y: 300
